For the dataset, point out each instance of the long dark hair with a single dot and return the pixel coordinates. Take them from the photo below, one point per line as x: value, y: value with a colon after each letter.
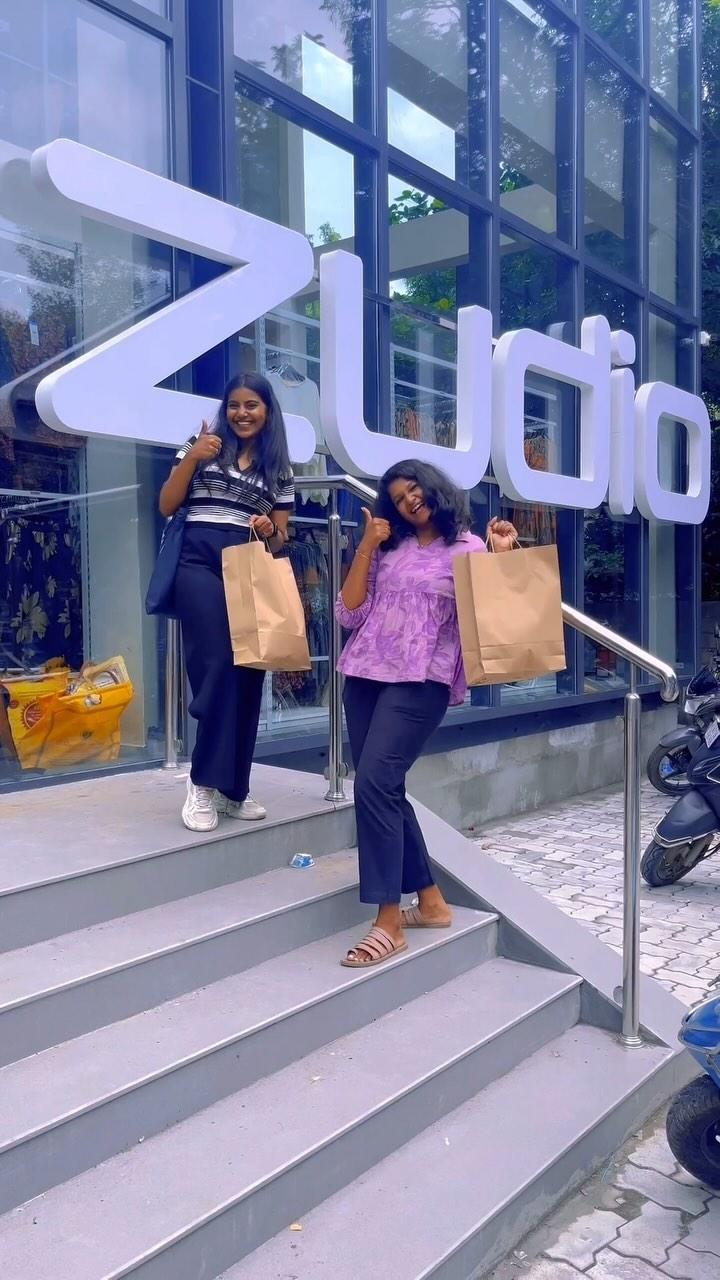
x: 271, y: 460
x: 447, y: 504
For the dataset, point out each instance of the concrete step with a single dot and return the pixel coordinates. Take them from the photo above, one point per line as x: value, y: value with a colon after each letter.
x: 71, y: 1107
x: 195, y: 1199
x: 474, y: 1183
x: 101, y: 849
x: 68, y: 985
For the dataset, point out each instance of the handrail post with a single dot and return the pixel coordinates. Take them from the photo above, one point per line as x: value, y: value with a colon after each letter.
x: 336, y: 770
x: 172, y: 692
x: 631, y: 895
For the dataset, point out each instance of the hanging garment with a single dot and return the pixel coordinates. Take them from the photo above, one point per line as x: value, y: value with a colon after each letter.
x: 300, y: 395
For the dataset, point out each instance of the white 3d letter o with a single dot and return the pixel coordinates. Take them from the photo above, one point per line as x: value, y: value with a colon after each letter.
x: 654, y: 401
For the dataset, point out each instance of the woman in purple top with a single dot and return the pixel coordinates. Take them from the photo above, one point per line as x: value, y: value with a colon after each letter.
x: 402, y: 666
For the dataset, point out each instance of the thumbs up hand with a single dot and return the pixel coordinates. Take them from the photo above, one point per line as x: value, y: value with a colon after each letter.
x: 376, y: 532
x: 206, y: 446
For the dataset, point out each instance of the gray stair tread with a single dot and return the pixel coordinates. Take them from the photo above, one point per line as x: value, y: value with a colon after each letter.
x: 193, y: 1171
x: 72, y: 958
x: 462, y: 1170
x: 39, y: 1092
x: 136, y: 816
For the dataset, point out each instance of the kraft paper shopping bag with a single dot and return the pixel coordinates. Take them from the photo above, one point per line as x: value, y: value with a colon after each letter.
x: 510, y: 614
x: 267, y: 620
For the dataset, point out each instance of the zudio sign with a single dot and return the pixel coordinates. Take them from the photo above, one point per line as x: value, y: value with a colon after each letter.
x: 618, y: 427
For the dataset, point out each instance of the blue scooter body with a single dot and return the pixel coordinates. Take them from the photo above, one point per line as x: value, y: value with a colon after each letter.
x: 700, y: 1034
x: 697, y: 812
x: 687, y: 737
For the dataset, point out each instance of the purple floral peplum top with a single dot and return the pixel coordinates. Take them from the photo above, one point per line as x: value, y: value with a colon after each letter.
x: 406, y: 630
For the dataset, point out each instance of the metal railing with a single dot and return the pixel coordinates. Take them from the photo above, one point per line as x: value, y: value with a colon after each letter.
x: 637, y: 658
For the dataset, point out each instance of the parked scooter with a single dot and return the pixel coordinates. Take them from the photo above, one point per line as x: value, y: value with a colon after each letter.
x: 687, y: 834
x: 668, y: 763
x: 693, y: 1120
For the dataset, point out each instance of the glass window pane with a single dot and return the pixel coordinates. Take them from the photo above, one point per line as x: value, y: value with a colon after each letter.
x: 536, y: 120
x: 437, y: 257
x: 535, y: 288
x: 612, y: 592
x: 536, y: 293
x: 156, y: 6
x: 612, y: 165
x: 436, y: 94
x: 312, y: 45
x: 296, y: 178
x: 618, y: 22
x: 671, y: 215
x: 620, y: 307
x: 671, y: 53
x: 68, y: 502
x: 69, y: 69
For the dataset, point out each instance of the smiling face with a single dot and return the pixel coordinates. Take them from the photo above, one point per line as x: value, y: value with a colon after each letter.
x: 246, y: 414
x: 409, y: 502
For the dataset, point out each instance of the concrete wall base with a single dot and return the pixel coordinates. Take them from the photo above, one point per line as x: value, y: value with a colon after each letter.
x: 477, y: 784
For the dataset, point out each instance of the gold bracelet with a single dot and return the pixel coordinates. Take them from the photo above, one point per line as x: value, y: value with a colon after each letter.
x: 364, y: 554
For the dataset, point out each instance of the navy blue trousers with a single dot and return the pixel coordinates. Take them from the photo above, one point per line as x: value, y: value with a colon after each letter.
x: 388, y: 726
x: 226, y: 699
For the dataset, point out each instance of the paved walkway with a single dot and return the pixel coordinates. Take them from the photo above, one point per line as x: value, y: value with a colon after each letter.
x: 641, y: 1217
x: 573, y: 853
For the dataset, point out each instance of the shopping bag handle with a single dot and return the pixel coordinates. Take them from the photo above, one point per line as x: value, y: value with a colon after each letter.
x: 515, y: 543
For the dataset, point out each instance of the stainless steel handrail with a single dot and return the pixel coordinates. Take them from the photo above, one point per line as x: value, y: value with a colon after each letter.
x: 626, y: 649
x: 638, y: 659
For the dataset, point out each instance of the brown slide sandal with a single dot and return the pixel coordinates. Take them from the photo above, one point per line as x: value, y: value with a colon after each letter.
x: 377, y: 945
x: 412, y: 918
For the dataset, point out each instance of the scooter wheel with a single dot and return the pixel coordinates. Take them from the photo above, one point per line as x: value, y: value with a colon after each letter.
x: 661, y: 866
x: 693, y: 1130
x: 667, y: 770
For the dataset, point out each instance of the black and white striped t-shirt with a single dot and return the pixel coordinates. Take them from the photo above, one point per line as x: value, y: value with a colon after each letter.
x: 232, y: 499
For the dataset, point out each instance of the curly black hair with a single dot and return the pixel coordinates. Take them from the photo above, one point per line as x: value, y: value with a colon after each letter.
x: 448, y: 505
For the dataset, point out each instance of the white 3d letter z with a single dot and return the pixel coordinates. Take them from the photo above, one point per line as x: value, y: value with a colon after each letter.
x: 112, y: 390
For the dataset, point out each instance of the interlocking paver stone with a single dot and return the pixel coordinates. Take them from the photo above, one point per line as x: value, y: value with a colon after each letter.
x: 651, y: 1234
x: 704, y: 1234
x: 685, y: 1264
x: 517, y: 1268
x: 581, y: 1242
x: 612, y: 1266
x: 663, y: 1191
x: 654, y: 1153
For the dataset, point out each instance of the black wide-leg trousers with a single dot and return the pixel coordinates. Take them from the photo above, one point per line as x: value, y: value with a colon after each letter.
x: 226, y: 699
x: 388, y: 726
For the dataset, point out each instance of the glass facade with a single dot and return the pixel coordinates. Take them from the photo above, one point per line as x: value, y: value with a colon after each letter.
x: 614, y: 145
x: 537, y: 119
x: 537, y: 158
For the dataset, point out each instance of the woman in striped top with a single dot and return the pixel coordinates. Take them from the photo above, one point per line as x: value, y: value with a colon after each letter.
x: 236, y: 481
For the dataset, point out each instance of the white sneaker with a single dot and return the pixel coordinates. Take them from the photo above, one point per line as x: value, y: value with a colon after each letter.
x: 199, y: 812
x: 249, y: 810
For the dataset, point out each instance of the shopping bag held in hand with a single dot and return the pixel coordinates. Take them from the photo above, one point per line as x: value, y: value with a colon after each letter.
x: 510, y: 614
x: 267, y: 620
